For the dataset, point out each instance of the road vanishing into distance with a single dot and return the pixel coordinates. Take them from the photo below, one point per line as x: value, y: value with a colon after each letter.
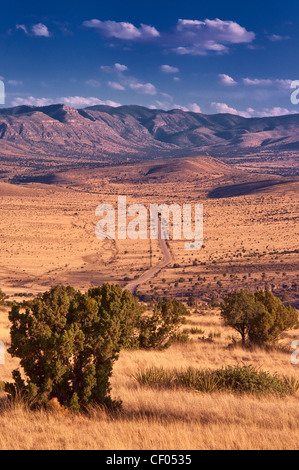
x: 133, y: 285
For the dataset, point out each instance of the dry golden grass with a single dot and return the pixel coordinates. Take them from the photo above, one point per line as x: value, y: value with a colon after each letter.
x: 166, y: 419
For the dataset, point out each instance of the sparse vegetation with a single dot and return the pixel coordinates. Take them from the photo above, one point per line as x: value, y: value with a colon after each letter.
x: 160, y: 328
x: 2, y: 297
x: 238, y: 379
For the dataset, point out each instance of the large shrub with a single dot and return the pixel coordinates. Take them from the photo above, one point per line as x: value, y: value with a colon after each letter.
x: 259, y: 317
x: 67, y: 343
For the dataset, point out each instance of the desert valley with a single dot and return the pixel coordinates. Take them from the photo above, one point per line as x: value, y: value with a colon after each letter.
x: 57, y: 164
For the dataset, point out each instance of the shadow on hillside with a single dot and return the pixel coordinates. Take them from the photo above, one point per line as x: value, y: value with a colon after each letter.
x: 49, y: 178
x: 243, y: 189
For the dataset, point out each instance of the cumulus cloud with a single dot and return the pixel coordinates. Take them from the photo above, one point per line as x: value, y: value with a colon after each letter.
x: 169, y: 69
x: 31, y: 101
x: 223, y: 108
x: 202, y: 37
x: 188, y: 37
x: 182, y: 108
x: 144, y: 88
x: 227, y: 80
x: 123, y: 30
x: 194, y: 108
x: 201, y: 49
x: 114, y: 68
x: 120, y: 67
x: 41, y: 30
x: 116, y: 86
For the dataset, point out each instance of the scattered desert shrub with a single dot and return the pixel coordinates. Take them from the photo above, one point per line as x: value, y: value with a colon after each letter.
x: 181, y: 337
x: 238, y: 379
x: 158, y: 329
x: 194, y: 331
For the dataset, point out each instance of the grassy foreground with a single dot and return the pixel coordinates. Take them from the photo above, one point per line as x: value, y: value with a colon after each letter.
x: 167, y: 418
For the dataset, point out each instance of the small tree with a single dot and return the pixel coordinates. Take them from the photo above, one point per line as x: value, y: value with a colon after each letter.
x: 276, y: 319
x: 259, y: 317
x: 159, y: 328
x: 240, y: 311
x: 67, y: 343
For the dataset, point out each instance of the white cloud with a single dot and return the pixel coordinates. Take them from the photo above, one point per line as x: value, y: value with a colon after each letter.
x: 192, y: 37
x: 182, y: 108
x: 276, y: 111
x: 120, y: 67
x: 216, y: 30
x: 277, y: 38
x: 80, y: 101
x: 14, y: 82
x: 169, y: 69
x: 145, y: 88
x: 93, y: 83
x: 223, y: 108
x: 22, y: 27
x: 72, y: 101
x: 194, y: 108
x: 201, y: 49
x: 227, y: 80
x: 123, y: 30
x: 202, y: 37
x: 116, y: 86
x: 250, y: 112
x: 114, y: 68
x: 40, y: 30
x: 31, y: 101
x: 278, y: 83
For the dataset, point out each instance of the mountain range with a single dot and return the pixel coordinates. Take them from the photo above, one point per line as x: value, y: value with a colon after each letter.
x: 125, y: 132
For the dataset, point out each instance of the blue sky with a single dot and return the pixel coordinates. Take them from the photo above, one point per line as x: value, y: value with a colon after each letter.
x: 202, y: 56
